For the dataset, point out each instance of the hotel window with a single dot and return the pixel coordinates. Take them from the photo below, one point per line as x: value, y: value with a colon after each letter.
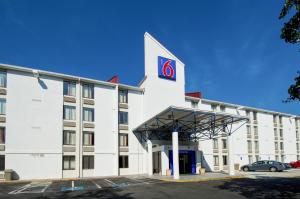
x: 2, y: 79
x: 2, y: 162
x: 247, y: 113
x: 88, y: 114
x: 215, y: 144
x: 123, y: 161
x: 222, y: 108
x: 254, y: 115
x: 2, y: 106
x: 213, y: 107
x: 281, y: 146
x: 70, y: 88
x: 216, y: 160
x: 274, y: 119
x: 297, y: 134
x: 2, y: 135
x: 248, y: 130
x: 282, y: 158
x: 69, y: 112
x: 69, y: 137
x: 123, y: 140
x: 88, y: 138
x: 281, y: 133
x: 275, y: 133
x: 88, y: 162
x: 224, y: 143
x: 68, y: 162
x: 249, y: 144
x: 297, y: 146
x: 194, y: 104
x: 123, y: 117
x: 277, y: 158
x: 123, y: 96
x: 224, y: 159
x: 88, y: 91
x: 255, y: 131
x: 256, y: 145
x: 250, y: 159
x: 257, y: 158
x: 276, y: 145
x: 280, y: 120
x: 298, y: 157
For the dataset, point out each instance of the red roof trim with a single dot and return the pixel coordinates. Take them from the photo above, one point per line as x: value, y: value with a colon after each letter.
x: 194, y: 94
x: 114, y: 79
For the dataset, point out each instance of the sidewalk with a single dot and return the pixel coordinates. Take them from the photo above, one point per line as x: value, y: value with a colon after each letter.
x: 197, y: 178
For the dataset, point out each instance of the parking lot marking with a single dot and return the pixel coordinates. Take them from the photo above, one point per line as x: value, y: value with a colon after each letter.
x: 19, y: 189
x: 140, y: 181
x: 110, y: 182
x: 39, y: 186
x: 98, y: 186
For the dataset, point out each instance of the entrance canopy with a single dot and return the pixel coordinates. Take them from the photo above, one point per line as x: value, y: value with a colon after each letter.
x: 191, y: 125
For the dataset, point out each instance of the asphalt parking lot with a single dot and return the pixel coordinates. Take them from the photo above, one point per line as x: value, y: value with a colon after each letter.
x: 267, y: 185
x: 48, y: 188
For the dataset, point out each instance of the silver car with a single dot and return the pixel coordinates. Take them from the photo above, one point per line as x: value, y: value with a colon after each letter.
x: 264, y: 165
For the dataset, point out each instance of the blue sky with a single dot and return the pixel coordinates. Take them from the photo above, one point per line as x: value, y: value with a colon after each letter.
x: 231, y: 49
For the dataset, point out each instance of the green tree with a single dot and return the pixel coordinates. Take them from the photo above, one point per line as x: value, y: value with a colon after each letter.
x: 290, y: 33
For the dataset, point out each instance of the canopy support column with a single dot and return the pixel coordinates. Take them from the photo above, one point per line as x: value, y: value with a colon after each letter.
x: 150, y: 159
x: 231, y: 171
x: 175, y: 155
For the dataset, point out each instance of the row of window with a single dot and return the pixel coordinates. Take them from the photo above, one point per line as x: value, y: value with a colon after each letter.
x: 69, y: 138
x: 3, y: 79
x: 2, y: 135
x: 69, y: 113
x: 88, y: 91
x: 224, y: 160
x: 256, y: 146
x: 255, y: 129
x: 254, y: 114
x: 70, y: 89
x: 280, y: 132
x: 216, y: 145
x: 275, y: 119
x: 281, y: 146
x: 69, y: 162
x: 214, y: 107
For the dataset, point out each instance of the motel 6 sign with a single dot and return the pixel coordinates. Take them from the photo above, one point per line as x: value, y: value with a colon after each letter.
x: 166, y: 68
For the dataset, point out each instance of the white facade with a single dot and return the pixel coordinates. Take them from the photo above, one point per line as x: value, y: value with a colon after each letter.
x: 93, y: 136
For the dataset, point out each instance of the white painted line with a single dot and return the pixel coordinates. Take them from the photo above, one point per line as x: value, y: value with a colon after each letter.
x: 98, y: 186
x: 110, y: 182
x: 46, y: 187
x: 43, y: 185
x: 19, y: 189
x: 140, y: 181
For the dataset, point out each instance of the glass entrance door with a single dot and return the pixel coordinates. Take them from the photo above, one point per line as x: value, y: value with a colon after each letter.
x: 185, y: 163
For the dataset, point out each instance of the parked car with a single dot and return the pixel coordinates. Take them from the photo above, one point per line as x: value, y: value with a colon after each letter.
x: 295, y: 164
x: 264, y: 165
x: 287, y: 165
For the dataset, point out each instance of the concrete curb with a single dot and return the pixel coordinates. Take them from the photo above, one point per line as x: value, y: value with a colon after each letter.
x: 206, y: 179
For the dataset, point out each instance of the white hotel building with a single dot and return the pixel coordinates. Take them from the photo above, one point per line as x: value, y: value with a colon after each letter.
x: 59, y: 126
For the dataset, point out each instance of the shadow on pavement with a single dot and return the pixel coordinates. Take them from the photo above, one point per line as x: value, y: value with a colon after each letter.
x: 264, y: 187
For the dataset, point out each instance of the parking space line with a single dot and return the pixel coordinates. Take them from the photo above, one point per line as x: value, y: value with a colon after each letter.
x: 140, y: 181
x: 110, y: 182
x: 43, y: 186
x: 98, y: 186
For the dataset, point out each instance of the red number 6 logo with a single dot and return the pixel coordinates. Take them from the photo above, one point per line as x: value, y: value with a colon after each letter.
x: 168, y: 66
